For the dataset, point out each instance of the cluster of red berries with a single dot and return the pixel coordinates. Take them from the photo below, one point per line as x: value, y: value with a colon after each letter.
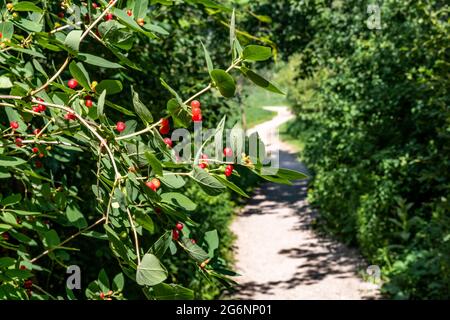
x: 40, y: 107
x: 176, y: 231
x: 204, y: 162
x: 70, y: 116
x: 164, y: 129
x: 153, y: 184
x: 228, y: 152
x: 106, y: 296
x: 14, y: 125
x: 196, y: 111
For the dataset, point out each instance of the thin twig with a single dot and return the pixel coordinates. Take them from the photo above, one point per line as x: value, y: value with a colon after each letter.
x: 67, y: 240
x: 56, y: 75
x: 138, y: 132
x: 135, y: 236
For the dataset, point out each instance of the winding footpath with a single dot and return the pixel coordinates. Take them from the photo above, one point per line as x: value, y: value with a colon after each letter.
x: 278, y: 255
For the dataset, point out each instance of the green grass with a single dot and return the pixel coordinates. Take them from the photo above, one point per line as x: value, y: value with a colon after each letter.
x: 295, y: 142
x: 255, y: 100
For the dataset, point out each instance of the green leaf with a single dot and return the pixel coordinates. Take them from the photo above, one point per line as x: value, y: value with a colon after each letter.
x: 172, y: 181
x: 7, y: 161
x: 178, y: 200
x: 130, y: 22
x: 79, y: 73
x: 194, y: 250
x: 25, y: 213
x: 212, y: 239
x: 51, y: 239
x: 118, y: 282
x: 150, y: 271
x: 180, y: 116
x: 140, y: 108
x: 156, y: 28
x: 256, y: 53
x: 101, y: 103
x: 145, y: 221
x: 29, y: 51
x: 75, y: 217
x: 172, y: 91
x: 7, y: 29
x: 231, y: 185
x: 6, y: 262
x: 26, y: 6
x: 10, y: 200
x: 111, y: 86
x: 103, y: 281
x: 73, y: 40
x: 161, y: 245
x: 98, y: 61
x: 260, y: 81
x: 291, y: 174
x: 140, y: 9
x: 154, y: 163
x: 164, y: 291
x: 224, y: 82
x: 209, y: 63
x: 233, y: 32
x: 208, y: 183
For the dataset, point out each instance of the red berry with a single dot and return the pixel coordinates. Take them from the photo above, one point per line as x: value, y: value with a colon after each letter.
x: 41, y: 155
x: 1, y: 35
x: 204, y: 156
x: 179, y: 226
x: 61, y: 15
x: 5, y: 236
x: 140, y: 22
x: 196, y: 112
x: 197, y: 118
x: 195, y: 104
x: 109, y: 16
x: 168, y: 142
x: 129, y: 12
x: 158, y: 210
x: 72, y: 83
x: 23, y: 268
x: 19, y: 142
x: 120, y: 126
x: 42, y: 107
x: 164, y: 130
x: 175, y: 234
x: 36, y: 131
x: 228, y: 152
x: 193, y: 241
x: 36, y: 109
x: 70, y: 116
x: 229, y: 170
x: 102, y: 295
x: 14, y: 125
x: 38, y: 164
x: 35, y: 150
x: 165, y: 122
x: 94, y: 5
x: 28, y: 284
x: 203, y: 165
x: 88, y: 102
x: 156, y: 183
x: 150, y: 185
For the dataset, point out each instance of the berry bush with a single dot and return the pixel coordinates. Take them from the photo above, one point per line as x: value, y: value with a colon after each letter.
x: 85, y: 163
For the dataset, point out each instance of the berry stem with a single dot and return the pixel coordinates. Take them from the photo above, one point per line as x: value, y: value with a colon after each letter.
x: 136, y: 242
x: 53, y: 78
x: 138, y: 132
x: 67, y: 240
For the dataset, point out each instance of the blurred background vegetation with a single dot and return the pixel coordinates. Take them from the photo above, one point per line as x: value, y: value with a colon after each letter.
x: 372, y: 124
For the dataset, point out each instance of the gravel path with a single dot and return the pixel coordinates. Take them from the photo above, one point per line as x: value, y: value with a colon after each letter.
x: 278, y: 255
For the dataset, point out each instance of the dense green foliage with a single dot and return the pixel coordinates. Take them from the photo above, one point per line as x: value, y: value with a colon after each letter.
x: 373, y: 113
x: 112, y: 197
